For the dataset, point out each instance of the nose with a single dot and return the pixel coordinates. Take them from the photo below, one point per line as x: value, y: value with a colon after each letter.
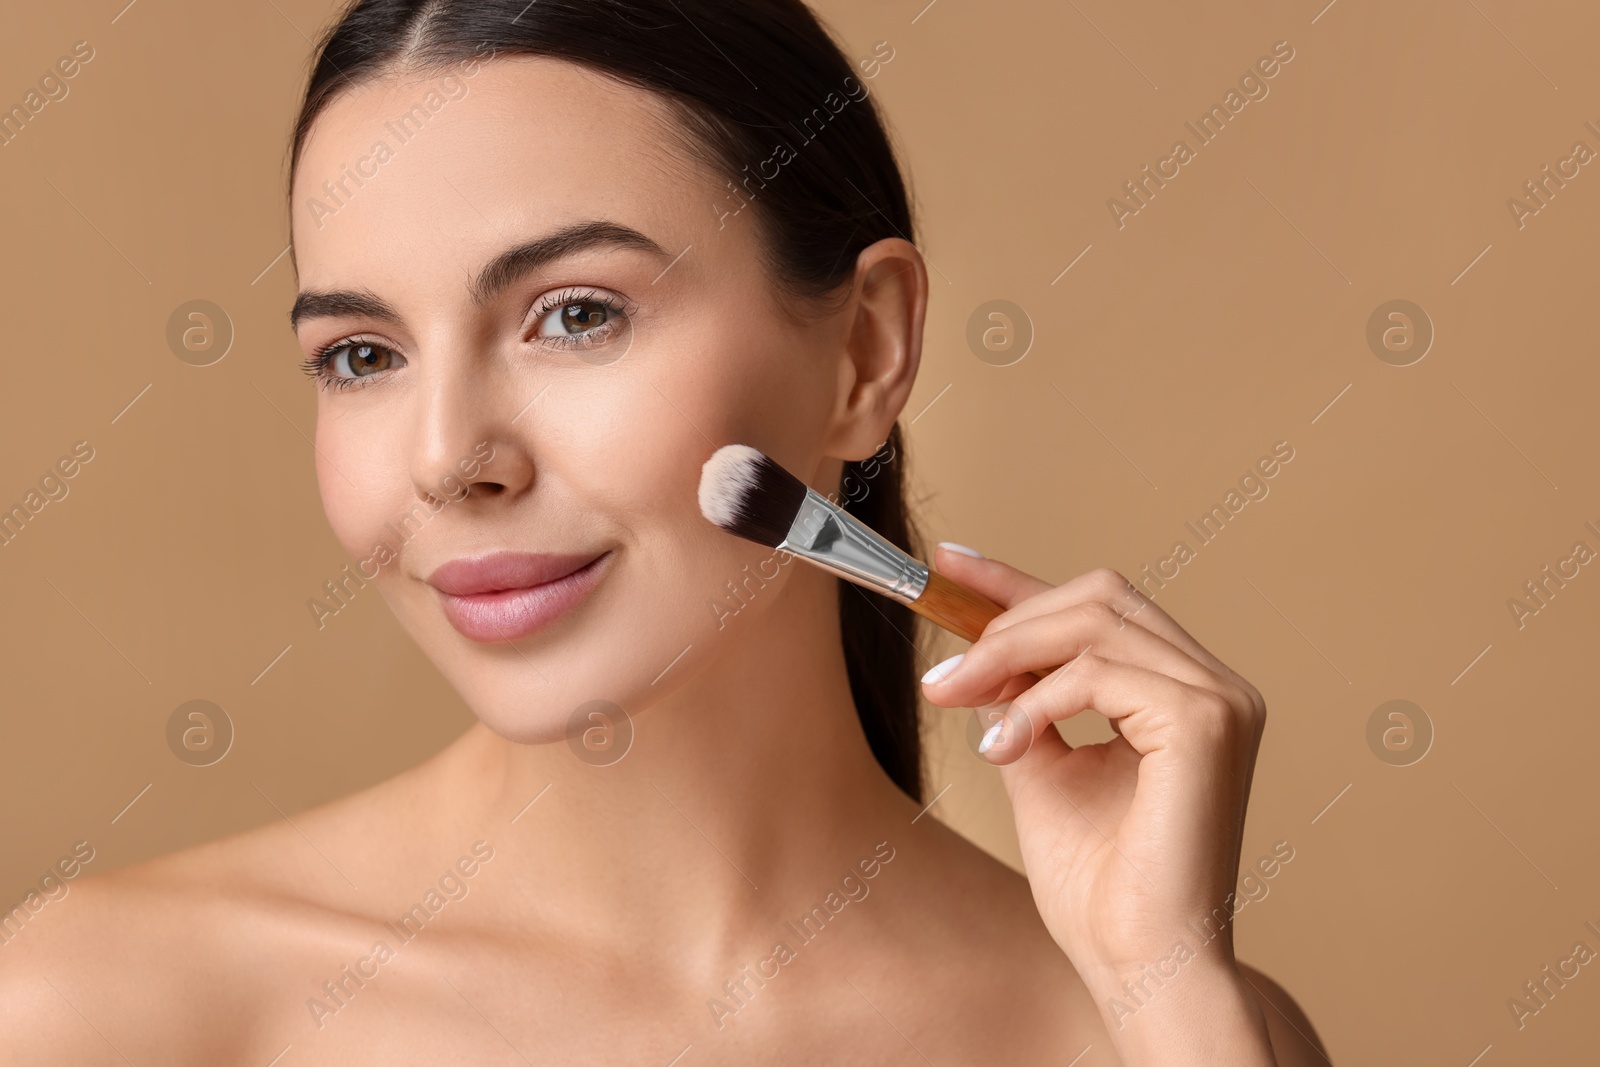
x: 466, y: 442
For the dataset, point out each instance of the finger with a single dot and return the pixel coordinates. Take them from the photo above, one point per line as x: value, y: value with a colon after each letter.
x: 1155, y: 711
x: 1131, y: 604
x: 991, y: 705
x: 1024, y: 596
x: 1000, y: 694
x: 1050, y: 640
x: 1049, y: 743
x: 1000, y: 582
x: 1102, y: 584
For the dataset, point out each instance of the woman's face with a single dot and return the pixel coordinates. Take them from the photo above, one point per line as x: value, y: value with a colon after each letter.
x: 577, y: 385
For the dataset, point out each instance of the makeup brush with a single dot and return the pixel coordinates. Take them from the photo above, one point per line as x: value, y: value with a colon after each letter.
x: 746, y: 493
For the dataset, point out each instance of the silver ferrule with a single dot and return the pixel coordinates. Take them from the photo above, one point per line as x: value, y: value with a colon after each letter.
x: 837, y: 541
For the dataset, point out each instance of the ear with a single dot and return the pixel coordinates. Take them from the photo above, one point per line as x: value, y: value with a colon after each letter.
x: 882, y: 346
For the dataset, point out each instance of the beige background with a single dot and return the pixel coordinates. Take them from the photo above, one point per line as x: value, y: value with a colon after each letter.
x: 1229, y: 314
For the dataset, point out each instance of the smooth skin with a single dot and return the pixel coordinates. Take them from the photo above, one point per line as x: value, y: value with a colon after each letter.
x: 621, y: 903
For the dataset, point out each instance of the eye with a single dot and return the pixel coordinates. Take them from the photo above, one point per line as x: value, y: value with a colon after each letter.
x: 363, y: 360
x: 343, y: 363
x: 578, y: 318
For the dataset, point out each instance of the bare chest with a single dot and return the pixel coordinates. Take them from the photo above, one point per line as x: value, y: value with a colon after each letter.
x: 819, y: 1002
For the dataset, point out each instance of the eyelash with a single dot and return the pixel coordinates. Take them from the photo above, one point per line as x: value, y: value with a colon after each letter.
x: 318, y: 363
x: 612, y: 306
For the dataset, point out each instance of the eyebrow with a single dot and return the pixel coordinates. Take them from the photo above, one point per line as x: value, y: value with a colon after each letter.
x: 506, y: 268
x: 313, y: 304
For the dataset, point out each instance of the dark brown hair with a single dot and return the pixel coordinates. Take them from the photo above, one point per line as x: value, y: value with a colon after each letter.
x: 744, y: 76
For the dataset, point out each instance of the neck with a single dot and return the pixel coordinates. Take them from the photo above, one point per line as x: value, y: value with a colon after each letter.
x: 743, y: 791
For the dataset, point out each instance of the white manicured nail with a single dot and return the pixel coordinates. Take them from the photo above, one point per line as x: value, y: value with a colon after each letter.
x: 990, y: 736
x: 963, y: 549
x: 939, y: 671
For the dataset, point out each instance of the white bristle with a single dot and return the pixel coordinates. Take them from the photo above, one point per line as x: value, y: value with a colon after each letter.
x: 726, y: 480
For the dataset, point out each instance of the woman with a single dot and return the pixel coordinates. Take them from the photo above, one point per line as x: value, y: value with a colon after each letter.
x: 551, y: 257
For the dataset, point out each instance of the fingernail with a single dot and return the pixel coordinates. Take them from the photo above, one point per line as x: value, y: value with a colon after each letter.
x: 940, y: 671
x: 990, y: 736
x: 962, y: 549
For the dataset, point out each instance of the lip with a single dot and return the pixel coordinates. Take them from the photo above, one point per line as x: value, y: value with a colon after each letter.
x: 507, y: 595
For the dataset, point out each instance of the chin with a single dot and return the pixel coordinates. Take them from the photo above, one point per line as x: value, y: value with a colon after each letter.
x: 583, y: 676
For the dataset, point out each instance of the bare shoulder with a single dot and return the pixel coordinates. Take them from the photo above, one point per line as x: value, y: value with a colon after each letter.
x: 1294, y: 1039
x: 982, y: 896
x: 987, y: 947
x: 1005, y: 945
x: 134, y: 963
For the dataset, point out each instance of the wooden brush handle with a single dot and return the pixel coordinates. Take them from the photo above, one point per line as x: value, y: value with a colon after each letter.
x: 957, y: 608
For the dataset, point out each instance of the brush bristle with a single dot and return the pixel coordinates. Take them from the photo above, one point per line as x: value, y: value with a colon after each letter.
x: 746, y: 493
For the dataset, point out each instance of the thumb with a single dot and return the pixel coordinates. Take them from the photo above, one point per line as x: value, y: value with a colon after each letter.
x: 998, y: 581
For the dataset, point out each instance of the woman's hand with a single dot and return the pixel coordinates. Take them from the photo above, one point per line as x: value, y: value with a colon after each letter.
x: 1132, y: 845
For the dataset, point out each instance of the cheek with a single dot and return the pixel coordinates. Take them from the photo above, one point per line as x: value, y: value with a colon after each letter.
x: 627, y: 448
x: 361, y: 483
x: 643, y: 427
x: 628, y: 437
x: 632, y: 449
